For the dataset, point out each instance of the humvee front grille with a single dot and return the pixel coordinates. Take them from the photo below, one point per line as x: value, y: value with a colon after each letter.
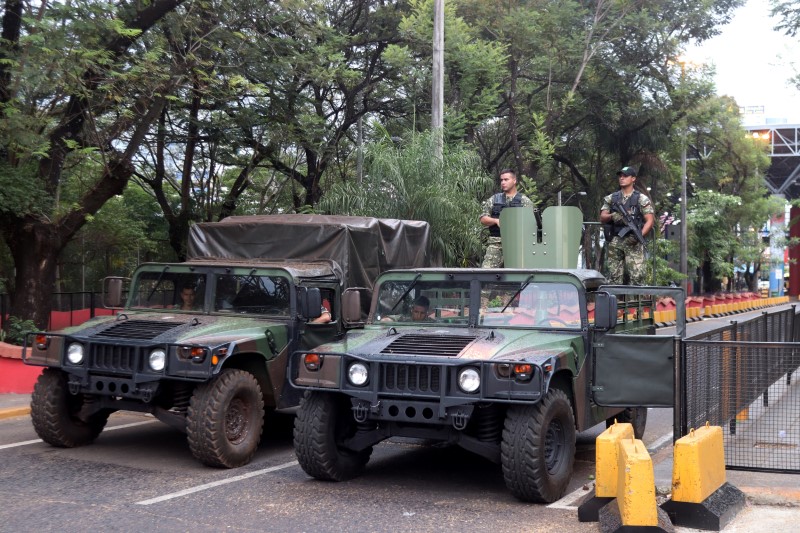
x: 113, y: 358
x: 397, y: 377
x: 136, y: 329
x: 441, y: 345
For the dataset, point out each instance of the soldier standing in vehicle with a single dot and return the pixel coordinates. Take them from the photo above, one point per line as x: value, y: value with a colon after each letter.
x: 490, y: 215
x: 626, y: 255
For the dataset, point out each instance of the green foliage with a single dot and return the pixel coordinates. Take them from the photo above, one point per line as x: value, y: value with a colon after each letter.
x: 15, y: 329
x: 20, y: 190
x: 407, y: 181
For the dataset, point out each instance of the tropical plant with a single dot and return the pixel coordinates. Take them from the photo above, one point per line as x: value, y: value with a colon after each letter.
x: 405, y: 180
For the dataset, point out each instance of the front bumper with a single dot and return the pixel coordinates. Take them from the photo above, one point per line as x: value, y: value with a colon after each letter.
x: 117, y: 369
x: 418, y: 390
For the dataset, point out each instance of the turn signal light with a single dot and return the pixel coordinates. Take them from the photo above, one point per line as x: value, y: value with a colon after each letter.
x: 42, y: 341
x: 523, y: 372
x: 313, y: 361
x: 522, y: 369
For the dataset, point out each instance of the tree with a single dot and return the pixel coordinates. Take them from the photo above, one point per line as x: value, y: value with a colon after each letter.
x: 405, y: 181
x: 77, y: 95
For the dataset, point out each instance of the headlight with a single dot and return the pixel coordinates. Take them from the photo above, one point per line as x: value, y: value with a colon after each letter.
x: 358, y: 374
x: 157, y: 360
x: 469, y: 380
x: 75, y: 353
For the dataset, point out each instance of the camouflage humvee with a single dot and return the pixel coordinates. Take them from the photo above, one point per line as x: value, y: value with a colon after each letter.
x: 203, y: 345
x: 506, y: 363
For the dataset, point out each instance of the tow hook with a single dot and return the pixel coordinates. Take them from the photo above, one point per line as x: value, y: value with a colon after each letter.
x: 362, y: 409
x: 460, y: 419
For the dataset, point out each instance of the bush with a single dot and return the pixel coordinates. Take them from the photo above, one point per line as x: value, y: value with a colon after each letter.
x: 14, y: 330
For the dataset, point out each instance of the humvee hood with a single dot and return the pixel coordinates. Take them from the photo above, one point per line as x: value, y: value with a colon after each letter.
x: 468, y: 344
x: 174, y: 328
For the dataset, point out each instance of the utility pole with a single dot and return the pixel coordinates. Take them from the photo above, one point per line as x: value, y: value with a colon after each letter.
x: 684, y: 201
x: 437, y: 95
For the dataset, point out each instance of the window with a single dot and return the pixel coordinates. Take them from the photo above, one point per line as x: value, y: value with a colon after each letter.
x: 252, y: 294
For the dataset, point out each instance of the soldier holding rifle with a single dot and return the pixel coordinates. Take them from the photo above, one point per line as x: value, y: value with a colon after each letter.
x: 628, y: 218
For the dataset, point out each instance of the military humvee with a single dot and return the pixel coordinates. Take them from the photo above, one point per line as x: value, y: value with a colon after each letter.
x: 506, y: 363
x: 212, y: 369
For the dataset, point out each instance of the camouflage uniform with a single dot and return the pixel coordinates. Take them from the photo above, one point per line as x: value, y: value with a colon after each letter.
x: 626, y: 254
x: 494, y: 250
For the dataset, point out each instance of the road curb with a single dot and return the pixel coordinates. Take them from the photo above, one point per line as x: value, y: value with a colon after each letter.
x: 11, y: 412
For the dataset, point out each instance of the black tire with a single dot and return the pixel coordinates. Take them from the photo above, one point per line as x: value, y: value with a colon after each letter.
x: 538, y: 448
x: 636, y: 416
x: 225, y: 419
x: 54, y: 412
x: 322, y: 421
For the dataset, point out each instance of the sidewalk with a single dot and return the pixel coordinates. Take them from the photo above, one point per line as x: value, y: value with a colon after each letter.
x: 12, y: 405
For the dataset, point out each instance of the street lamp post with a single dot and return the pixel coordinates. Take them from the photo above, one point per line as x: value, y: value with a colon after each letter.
x: 684, y: 266
x: 684, y: 200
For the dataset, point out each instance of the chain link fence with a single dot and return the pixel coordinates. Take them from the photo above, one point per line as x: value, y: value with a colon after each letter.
x: 743, y: 377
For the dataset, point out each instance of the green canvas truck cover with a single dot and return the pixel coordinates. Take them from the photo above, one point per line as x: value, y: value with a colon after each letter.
x: 363, y: 247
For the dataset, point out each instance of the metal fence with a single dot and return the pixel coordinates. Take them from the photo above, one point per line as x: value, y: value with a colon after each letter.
x: 68, y: 309
x: 740, y: 377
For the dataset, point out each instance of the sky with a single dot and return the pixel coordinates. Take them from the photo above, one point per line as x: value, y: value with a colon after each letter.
x: 753, y: 64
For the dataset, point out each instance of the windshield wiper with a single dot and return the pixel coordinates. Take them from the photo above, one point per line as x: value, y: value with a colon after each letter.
x: 158, y: 282
x: 522, y: 288
x: 408, y: 290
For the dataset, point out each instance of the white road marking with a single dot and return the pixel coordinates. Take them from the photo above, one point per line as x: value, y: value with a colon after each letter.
x: 213, y: 484
x: 658, y: 443
x: 567, y: 501
x: 121, y: 426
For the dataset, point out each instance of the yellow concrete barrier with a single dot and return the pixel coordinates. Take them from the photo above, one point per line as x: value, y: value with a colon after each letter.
x: 707, y: 311
x: 699, y: 465
x: 607, y: 458
x: 636, y: 488
x: 701, y: 499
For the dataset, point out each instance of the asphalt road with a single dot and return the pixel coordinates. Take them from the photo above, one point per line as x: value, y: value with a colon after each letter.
x: 140, y: 476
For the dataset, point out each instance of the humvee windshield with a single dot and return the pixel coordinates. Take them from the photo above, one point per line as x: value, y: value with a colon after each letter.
x: 230, y: 293
x: 507, y: 303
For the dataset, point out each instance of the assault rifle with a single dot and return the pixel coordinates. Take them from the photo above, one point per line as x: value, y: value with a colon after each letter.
x: 630, y: 225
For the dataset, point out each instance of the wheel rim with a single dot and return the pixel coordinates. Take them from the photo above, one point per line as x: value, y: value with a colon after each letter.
x: 553, y: 445
x: 237, y: 420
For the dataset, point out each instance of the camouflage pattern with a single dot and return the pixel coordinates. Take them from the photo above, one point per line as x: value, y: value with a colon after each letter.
x: 626, y: 256
x: 494, y: 254
x: 494, y: 249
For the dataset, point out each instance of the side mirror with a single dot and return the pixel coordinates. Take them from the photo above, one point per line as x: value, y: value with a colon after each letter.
x: 351, y: 307
x: 605, y: 311
x: 112, y: 292
x: 310, y: 303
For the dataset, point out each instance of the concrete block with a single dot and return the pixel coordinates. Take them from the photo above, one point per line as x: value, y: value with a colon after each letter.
x: 636, y: 487
x: 606, y: 470
x: 698, y: 465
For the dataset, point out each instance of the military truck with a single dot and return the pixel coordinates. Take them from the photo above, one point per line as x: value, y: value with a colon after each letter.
x: 506, y: 363
x: 211, y: 367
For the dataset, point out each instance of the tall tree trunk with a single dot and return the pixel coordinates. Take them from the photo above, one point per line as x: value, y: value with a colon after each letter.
x: 35, y: 247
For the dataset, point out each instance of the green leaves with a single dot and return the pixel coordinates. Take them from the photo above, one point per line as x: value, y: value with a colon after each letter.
x: 407, y: 181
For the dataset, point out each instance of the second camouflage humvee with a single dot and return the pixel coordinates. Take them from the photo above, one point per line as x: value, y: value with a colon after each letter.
x: 506, y: 363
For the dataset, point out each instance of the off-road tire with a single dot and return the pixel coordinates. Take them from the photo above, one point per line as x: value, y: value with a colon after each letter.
x: 322, y: 421
x: 636, y: 416
x: 225, y: 419
x: 538, y: 448
x: 54, y: 412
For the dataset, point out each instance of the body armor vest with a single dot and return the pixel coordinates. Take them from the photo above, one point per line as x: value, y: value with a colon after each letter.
x: 632, y: 207
x: 498, y: 204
